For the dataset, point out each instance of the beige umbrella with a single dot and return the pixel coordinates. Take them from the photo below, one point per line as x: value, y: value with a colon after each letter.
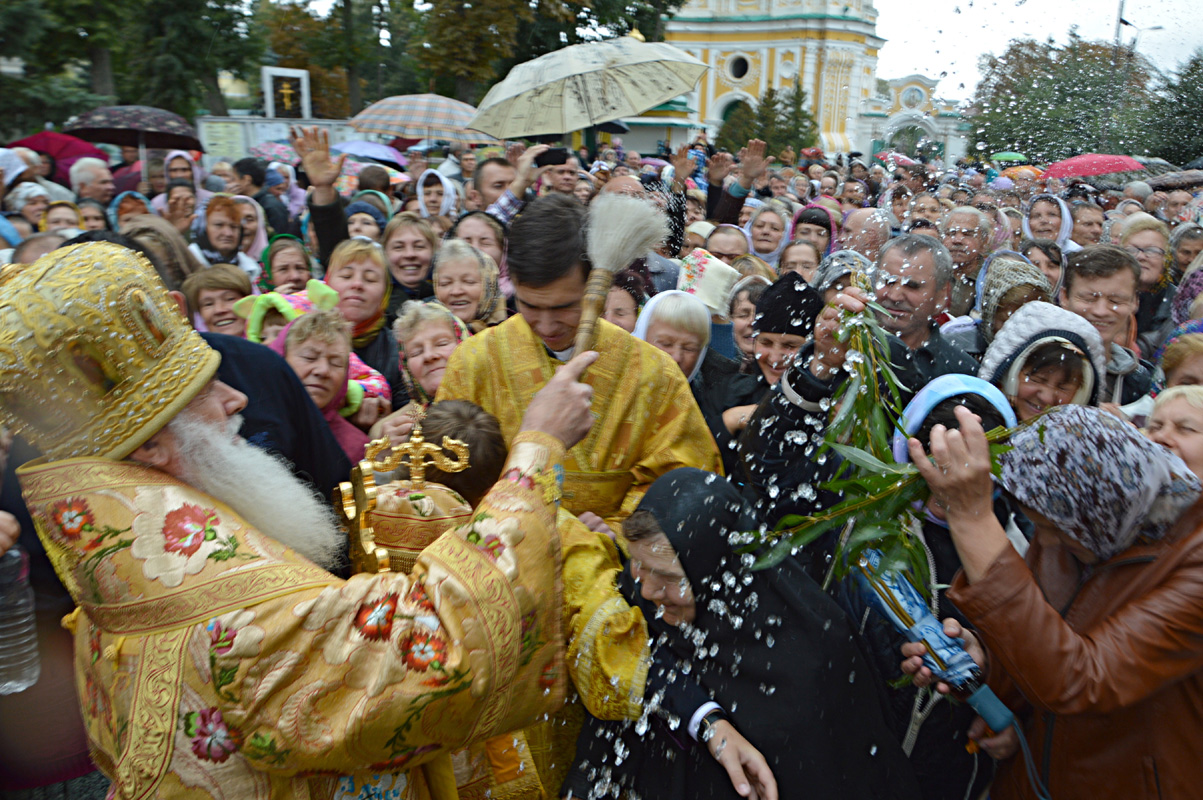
x: 585, y: 85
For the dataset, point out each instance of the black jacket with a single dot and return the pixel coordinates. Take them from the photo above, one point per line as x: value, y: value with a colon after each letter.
x: 276, y: 212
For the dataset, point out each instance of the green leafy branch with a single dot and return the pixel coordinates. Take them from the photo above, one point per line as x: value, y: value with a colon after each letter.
x: 880, y: 496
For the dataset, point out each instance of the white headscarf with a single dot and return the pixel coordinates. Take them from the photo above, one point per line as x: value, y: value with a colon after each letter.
x: 649, y: 311
x: 450, y: 194
x: 786, y: 220
x: 1067, y: 222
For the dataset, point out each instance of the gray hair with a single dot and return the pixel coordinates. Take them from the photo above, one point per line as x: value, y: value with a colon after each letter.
x: 911, y: 244
x: 1139, y: 188
x: 984, y: 228
x: 85, y: 171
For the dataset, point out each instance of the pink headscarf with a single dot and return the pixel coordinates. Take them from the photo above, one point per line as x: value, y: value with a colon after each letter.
x: 260, y: 240
x: 351, y: 439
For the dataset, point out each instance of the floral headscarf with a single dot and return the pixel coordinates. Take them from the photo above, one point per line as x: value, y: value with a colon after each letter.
x: 1097, y: 478
x: 1190, y: 288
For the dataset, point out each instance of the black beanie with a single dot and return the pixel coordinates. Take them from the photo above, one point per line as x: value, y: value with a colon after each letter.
x: 790, y: 305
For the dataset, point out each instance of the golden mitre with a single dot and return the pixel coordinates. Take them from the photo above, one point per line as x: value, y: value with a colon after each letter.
x: 391, y: 525
x: 95, y: 358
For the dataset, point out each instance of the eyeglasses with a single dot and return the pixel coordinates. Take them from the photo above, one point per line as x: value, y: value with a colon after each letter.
x: 1090, y: 298
x: 1145, y: 251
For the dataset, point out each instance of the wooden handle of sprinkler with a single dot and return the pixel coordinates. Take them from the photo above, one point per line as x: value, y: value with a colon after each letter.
x: 592, y: 306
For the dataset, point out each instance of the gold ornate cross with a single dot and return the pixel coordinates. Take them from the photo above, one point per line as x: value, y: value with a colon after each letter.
x: 413, y: 455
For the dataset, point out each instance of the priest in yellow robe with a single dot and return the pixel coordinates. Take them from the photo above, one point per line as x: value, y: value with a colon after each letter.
x: 215, y: 656
x: 648, y: 422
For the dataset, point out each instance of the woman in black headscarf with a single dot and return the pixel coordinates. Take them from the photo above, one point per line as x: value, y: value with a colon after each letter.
x: 777, y: 655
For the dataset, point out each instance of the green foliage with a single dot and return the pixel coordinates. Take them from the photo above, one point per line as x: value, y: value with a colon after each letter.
x: 780, y: 119
x: 1053, y: 102
x: 877, y: 511
x: 1174, y: 115
x: 737, y: 129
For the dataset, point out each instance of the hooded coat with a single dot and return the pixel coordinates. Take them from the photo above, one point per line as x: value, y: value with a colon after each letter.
x: 773, y: 650
x: 1037, y: 323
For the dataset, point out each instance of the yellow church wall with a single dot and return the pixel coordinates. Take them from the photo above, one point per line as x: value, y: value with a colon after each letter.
x: 680, y: 38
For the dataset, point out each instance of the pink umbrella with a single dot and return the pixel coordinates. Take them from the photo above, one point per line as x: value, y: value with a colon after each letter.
x: 1092, y: 164
x: 64, y: 149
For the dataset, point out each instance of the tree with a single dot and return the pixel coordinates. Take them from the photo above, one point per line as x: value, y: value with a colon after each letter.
x: 738, y: 128
x: 171, y: 57
x: 466, y: 40
x: 296, y: 38
x: 1174, y: 115
x: 1052, y: 102
x: 798, y: 126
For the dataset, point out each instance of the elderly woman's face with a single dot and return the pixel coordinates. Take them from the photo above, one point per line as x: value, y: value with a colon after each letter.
x: 32, y: 211
x: 459, y: 287
x: 928, y: 208
x: 61, y: 217
x: 1042, y: 389
x: 745, y: 214
x: 1044, y: 220
x: 1188, y: 373
x: 767, y: 231
x: 1178, y: 426
x: 321, y: 366
x: 480, y: 234
x: 775, y: 352
x: 743, y: 312
x: 684, y: 348
x: 800, y: 259
x: 290, y: 271
x: 621, y: 309
x: 655, y: 567
x: 426, y: 354
x: 1149, y: 249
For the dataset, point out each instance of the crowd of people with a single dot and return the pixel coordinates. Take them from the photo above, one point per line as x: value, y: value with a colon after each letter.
x: 590, y: 628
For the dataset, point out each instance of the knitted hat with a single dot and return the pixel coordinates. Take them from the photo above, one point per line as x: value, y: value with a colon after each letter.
x: 790, y: 305
x: 364, y: 207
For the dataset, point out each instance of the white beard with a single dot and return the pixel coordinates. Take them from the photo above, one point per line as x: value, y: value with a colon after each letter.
x: 260, y: 488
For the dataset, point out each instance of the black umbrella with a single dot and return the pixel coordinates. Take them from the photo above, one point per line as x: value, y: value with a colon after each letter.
x: 135, y: 126
x: 1196, y: 164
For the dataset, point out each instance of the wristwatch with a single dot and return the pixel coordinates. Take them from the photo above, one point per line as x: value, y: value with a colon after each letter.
x: 706, y: 726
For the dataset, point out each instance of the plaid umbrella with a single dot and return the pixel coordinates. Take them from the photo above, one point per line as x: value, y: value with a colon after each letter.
x: 420, y: 115
x: 276, y: 150
x: 134, y: 126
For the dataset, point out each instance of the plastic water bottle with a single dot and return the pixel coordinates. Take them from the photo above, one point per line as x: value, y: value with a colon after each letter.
x: 19, y: 663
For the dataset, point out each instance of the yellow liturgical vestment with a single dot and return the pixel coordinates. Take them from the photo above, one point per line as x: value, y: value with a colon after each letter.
x: 648, y: 422
x: 213, y: 662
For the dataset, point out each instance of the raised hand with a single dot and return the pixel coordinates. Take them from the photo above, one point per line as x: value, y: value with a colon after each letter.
x: 313, y: 146
x: 753, y: 161
x: 719, y: 167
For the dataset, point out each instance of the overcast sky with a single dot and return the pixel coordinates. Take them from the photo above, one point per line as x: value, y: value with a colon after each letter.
x: 948, y: 36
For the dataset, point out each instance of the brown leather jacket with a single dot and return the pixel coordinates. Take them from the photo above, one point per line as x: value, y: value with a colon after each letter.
x: 1103, y: 663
